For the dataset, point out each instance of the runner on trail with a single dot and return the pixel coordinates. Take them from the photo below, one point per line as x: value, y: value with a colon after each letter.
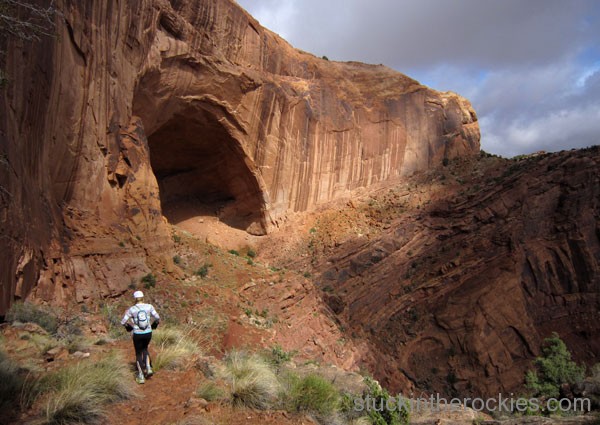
x: 138, y: 321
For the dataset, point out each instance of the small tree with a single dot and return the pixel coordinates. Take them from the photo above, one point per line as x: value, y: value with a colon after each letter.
x: 554, y: 369
x: 26, y: 21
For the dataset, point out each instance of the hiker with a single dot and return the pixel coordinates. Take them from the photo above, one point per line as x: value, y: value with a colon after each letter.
x: 137, y: 320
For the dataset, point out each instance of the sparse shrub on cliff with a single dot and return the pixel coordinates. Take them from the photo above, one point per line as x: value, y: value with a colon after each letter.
x: 553, y: 369
x: 202, y: 271
x: 149, y: 281
x: 27, y: 312
x: 278, y: 356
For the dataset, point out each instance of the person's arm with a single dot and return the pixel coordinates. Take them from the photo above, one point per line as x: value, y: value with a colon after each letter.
x: 156, y: 317
x: 125, y: 321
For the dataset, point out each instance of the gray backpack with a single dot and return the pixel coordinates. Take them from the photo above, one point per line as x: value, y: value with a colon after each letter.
x: 142, y: 320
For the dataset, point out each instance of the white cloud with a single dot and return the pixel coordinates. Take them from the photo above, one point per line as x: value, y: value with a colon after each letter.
x: 529, y: 67
x: 580, y: 127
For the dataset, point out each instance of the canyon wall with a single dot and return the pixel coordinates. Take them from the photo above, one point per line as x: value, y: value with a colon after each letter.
x: 458, y: 296
x: 135, y: 108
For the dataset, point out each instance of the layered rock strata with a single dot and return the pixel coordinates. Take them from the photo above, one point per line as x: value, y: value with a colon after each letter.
x: 134, y: 109
x: 458, y: 298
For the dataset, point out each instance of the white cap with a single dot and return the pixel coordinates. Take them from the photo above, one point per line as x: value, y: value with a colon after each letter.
x: 138, y: 294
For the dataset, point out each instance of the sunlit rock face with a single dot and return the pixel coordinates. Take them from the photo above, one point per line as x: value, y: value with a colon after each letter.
x: 130, y: 112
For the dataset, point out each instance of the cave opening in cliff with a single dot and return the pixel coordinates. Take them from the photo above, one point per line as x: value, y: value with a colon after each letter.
x: 202, y: 172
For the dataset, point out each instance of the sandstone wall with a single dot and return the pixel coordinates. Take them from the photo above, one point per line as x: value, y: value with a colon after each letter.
x: 134, y: 103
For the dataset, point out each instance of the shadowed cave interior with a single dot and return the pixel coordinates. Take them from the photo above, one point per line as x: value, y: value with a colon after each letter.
x: 201, y: 171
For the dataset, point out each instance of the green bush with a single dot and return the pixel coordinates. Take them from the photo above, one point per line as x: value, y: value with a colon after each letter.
x: 173, y: 346
x: 81, y: 392
x: 314, y: 394
x: 31, y: 313
x: 553, y: 369
x: 278, y: 356
x: 149, y: 281
x: 251, y: 253
x: 202, y: 271
x: 234, y: 252
x: 384, y: 416
x: 251, y: 380
x: 210, y: 391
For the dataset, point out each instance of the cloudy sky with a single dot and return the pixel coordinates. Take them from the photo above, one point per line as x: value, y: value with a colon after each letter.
x: 531, y: 68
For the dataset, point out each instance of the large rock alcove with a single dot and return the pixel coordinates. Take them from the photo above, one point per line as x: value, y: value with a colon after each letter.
x: 201, y: 171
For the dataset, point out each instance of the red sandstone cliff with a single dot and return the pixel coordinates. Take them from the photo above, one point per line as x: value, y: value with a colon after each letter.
x: 474, y: 268
x: 135, y: 107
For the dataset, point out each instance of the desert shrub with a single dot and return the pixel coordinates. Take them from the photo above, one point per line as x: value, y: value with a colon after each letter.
x: 314, y: 394
x: 210, y: 391
x: 553, y: 369
x: 173, y: 346
x: 251, y: 380
x: 76, y: 343
x: 385, y: 416
x: 113, y: 320
x: 31, y: 313
x: 149, y: 281
x: 202, y: 271
x: 251, y: 253
x: 278, y: 356
x: 81, y: 392
x: 349, y: 410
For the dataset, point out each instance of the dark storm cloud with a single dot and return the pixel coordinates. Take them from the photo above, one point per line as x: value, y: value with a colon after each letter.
x: 530, y: 67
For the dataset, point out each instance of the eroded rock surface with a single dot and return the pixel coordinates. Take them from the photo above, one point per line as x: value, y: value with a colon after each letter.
x: 133, y: 110
x: 457, y: 296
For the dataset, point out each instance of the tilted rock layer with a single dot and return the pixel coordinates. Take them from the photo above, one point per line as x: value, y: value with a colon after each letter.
x: 457, y: 296
x: 132, y: 110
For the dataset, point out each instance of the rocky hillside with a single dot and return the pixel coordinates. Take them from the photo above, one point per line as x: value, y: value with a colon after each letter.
x: 384, y: 239
x: 455, y: 276
x: 130, y: 112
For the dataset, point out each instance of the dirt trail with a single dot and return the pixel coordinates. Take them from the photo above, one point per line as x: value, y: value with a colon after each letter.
x: 169, y: 398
